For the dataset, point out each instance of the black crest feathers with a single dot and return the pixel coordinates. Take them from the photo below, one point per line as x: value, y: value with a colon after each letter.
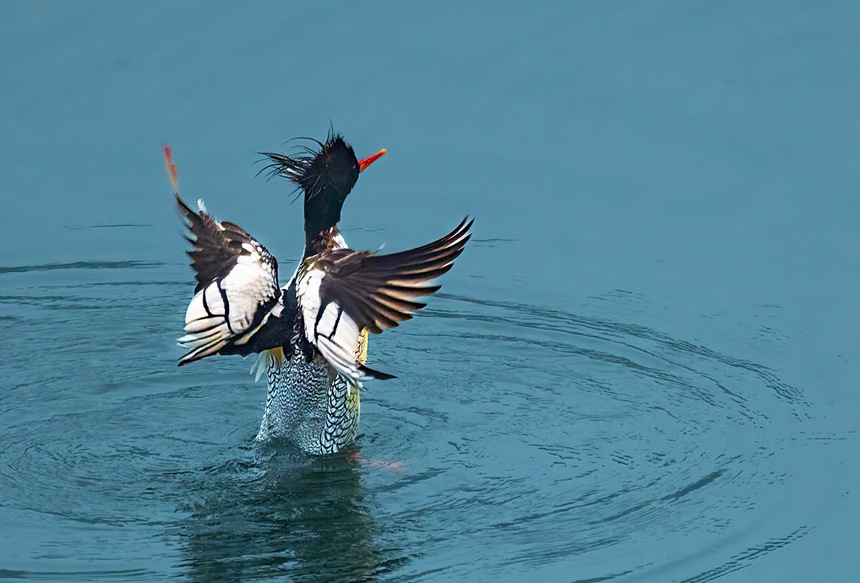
x: 326, y: 176
x: 332, y: 167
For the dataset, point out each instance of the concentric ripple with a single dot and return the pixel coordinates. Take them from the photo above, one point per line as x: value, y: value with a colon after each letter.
x: 563, y: 440
x: 518, y: 439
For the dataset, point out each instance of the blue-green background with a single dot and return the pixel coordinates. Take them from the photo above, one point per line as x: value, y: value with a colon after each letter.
x: 644, y: 367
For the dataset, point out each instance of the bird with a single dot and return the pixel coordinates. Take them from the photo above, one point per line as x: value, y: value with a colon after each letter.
x: 311, y: 334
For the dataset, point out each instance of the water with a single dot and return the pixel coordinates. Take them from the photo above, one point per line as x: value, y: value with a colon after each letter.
x: 643, y: 368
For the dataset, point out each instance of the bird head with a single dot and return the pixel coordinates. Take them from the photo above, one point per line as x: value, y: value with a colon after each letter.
x: 325, y: 174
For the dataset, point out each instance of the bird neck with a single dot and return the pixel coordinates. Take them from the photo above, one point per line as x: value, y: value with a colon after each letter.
x: 324, y: 240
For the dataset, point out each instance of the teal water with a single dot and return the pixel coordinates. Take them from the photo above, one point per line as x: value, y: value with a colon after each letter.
x: 643, y: 368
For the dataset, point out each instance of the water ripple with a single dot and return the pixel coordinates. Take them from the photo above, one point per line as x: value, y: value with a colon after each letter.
x: 82, y: 265
x: 564, y: 435
x: 519, y: 439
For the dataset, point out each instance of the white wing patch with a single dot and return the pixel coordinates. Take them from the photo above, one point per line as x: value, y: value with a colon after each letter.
x: 344, y: 295
x: 226, y: 309
x: 333, y: 332
x: 338, y: 241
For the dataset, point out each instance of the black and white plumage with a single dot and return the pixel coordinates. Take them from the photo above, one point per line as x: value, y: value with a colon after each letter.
x: 237, y: 288
x: 342, y: 292
x: 312, y: 332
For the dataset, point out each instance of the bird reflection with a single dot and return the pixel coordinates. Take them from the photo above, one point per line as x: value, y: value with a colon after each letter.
x: 282, y: 514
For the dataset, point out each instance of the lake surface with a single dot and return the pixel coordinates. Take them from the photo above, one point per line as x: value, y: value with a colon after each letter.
x: 643, y: 368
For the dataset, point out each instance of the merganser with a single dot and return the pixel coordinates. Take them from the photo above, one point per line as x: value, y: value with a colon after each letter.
x: 311, y: 334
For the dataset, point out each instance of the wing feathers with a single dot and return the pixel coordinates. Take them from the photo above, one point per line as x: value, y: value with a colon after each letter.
x: 237, y: 287
x: 372, y: 285
x: 342, y: 292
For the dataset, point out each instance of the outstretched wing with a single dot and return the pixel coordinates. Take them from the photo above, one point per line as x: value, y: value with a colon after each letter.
x: 343, y: 292
x: 237, y: 288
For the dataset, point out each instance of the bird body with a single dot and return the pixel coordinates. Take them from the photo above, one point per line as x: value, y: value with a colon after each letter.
x: 308, y: 402
x: 312, y: 333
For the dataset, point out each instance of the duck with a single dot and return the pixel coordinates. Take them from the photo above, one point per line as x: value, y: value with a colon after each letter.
x: 311, y: 334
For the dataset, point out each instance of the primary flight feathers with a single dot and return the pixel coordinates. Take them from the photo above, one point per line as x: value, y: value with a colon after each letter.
x: 377, y: 290
x: 237, y: 286
x: 342, y: 292
x: 339, y: 292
